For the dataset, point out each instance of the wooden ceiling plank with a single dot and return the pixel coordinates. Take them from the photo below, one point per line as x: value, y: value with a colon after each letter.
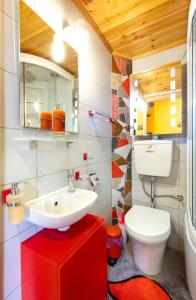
x: 164, y: 36
x: 147, y: 18
x: 159, y: 26
x: 102, y: 10
x: 88, y: 17
x: 145, y: 52
x: 158, y: 80
x: 128, y: 14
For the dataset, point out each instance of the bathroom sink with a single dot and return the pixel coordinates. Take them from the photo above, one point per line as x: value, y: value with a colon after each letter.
x: 59, y: 209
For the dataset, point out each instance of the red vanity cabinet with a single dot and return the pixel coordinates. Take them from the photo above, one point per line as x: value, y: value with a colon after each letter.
x: 68, y: 265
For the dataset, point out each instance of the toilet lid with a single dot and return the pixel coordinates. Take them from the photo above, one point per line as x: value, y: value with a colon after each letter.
x: 148, y: 224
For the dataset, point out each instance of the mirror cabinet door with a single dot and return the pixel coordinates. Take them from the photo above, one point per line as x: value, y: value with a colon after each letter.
x: 158, y: 100
x: 48, y: 87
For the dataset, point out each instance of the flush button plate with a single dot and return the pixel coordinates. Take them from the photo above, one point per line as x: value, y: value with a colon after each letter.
x: 150, y: 148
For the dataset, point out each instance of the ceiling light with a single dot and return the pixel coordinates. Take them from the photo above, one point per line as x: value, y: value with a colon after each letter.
x: 58, y: 48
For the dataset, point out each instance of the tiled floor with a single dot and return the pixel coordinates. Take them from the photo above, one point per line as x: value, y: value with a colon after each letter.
x: 172, y: 276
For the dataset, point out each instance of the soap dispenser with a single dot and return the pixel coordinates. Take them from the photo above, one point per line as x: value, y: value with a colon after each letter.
x: 15, y: 206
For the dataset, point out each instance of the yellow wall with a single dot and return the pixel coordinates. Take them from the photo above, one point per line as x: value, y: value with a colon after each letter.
x: 159, y: 118
x: 162, y: 117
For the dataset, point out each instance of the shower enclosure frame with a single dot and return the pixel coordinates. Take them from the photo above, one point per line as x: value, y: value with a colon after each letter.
x: 190, y: 227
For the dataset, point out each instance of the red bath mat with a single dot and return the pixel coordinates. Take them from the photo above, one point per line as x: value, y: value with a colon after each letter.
x: 137, y: 288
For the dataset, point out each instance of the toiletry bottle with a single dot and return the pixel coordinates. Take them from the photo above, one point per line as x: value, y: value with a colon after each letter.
x: 15, y: 205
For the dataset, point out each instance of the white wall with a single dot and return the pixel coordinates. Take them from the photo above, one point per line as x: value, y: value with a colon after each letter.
x: 44, y: 167
x: 176, y: 183
x: 158, y: 59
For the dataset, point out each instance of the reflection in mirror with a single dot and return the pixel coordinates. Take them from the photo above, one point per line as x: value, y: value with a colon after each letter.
x: 49, y: 76
x: 158, y: 101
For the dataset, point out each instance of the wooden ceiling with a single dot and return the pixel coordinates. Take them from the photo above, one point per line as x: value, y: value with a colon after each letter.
x: 36, y: 38
x: 136, y: 28
x: 158, y: 80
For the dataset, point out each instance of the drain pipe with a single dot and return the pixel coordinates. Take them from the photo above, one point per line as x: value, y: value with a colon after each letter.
x: 152, y: 195
x: 152, y: 183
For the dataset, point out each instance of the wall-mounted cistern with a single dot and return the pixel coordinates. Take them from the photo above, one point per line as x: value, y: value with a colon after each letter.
x: 70, y: 181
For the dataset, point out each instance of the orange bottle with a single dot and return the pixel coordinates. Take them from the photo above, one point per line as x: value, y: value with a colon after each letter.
x: 46, y: 120
x: 58, y: 120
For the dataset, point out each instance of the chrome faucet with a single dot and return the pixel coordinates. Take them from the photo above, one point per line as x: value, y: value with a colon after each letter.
x: 70, y: 181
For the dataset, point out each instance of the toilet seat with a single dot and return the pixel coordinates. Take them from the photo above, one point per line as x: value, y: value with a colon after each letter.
x: 148, y: 225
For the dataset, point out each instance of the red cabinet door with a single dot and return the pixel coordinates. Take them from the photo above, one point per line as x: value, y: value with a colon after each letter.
x: 66, y: 266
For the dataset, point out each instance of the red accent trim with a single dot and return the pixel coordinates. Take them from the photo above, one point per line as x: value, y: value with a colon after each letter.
x: 77, y: 175
x: 91, y: 113
x: 4, y: 194
x: 85, y: 156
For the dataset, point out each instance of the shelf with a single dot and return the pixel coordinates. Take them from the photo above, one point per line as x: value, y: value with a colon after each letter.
x: 52, y: 140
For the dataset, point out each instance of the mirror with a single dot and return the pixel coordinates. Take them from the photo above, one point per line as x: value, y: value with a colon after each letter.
x: 49, y: 94
x: 158, y: 100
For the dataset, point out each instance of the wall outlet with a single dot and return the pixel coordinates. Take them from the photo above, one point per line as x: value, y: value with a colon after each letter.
x: 4, y: 195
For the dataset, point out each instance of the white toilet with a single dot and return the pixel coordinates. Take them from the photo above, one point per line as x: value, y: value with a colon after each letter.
x: 149, y: 228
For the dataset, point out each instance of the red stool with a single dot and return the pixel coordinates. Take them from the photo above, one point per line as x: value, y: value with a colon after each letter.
x: 114, y: 244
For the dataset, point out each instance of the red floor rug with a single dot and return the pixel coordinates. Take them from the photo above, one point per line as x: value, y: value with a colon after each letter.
x: 137, y: 288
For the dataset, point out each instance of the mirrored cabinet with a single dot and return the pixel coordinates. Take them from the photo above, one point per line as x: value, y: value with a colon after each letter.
x: 157, y: 100
x: 49, y: 93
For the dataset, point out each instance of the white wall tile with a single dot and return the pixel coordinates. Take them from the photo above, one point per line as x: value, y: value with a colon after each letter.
x: 96, y: 126
x: 18, y: 161
x: 9, y: 44
x: 183, y: 191
x: 173, y: 178
x: 176, y: 150
x: 173, y: 241
x: 138, y: 193
x: 103, y: 171
x: 99, y: 150
x: 174, y: 215
x: 106, y: 214
x: 10, y: 7
x: 75, y: 154
x: 103, y: 200
x: 166, y: 189
x: 51, y: 157
x: 15, y: 295
x: 50, y: 183
x: 9, y: 100
x: 183, y: 149
x: 10, y: 252
x: 182, y: 175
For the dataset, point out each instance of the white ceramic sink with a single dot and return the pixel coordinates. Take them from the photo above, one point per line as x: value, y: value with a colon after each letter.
x: 59, y: 209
